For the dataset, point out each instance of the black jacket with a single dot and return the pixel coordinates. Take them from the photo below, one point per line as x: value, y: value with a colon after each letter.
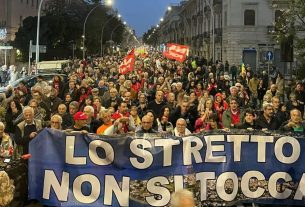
x: 262, y: 123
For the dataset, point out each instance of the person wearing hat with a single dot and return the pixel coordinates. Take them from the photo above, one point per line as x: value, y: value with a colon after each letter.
x: 80, y: 122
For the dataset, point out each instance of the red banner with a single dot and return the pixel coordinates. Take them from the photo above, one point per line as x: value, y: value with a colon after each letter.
x: 128, y: 63
x: 176, y: 52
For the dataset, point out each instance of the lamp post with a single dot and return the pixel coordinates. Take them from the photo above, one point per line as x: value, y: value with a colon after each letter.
x: 119, y: 16
x: 84, y: 29
x: 213, y: 27
x: 37, y: 34
x: 115, y: 29
x: 185, y: 22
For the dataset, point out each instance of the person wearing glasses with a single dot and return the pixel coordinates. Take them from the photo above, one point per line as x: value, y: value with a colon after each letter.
x: 56, y: 122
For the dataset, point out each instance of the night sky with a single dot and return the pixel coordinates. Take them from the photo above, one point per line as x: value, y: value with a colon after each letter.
x: 140, y: 15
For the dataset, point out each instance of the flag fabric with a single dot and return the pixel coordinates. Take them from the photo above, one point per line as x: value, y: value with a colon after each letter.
x: 243, y: 70
x: 128, y: 63
x: 176, y: 52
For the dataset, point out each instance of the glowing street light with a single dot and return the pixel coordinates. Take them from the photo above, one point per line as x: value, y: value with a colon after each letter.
x: 169, y: 8
x: 107, y: 3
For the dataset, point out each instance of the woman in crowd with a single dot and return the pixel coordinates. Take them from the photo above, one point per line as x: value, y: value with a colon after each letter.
x: 134, y: 116
x: 203, y: 99
x: 6, y: 144
x: 212, y: 87
x: 164, y: 125
x: 220, y: 105
x: 13, y: 112
x: 199, y: 89
x: 105, y: 116
x: 261, y: 91
x: 58, y: 85
x: 205, y: 114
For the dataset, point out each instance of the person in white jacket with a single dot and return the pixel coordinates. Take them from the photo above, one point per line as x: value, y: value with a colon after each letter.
x: 13, y: 74
x: 180, y: 129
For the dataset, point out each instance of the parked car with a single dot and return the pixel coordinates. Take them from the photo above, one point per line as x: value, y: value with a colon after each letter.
x: 31, y: 80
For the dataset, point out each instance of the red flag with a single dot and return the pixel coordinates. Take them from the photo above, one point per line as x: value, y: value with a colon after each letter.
x: 128, y: 63
x: 176, y: 52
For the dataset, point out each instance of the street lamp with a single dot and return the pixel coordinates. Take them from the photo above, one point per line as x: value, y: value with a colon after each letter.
x: 37, y: 33
x: 84, y: 29
x: 119, y: 16
x: 107, y: 3
x: 184, y: 24
x: 115, y: 29
x: 213, y: 27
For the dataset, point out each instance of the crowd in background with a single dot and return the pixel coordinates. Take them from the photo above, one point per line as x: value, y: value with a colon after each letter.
x: 158, y: 96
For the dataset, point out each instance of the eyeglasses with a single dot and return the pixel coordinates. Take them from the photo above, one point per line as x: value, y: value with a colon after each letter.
x: 55, y: 122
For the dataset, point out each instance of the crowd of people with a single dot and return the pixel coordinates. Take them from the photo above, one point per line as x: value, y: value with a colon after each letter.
x: 158, y: 96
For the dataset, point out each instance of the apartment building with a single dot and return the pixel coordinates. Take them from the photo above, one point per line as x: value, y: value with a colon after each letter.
x: 242, y: 29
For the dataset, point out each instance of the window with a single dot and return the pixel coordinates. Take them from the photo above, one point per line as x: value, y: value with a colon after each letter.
x: 249, y: 17
x: 278, y: 15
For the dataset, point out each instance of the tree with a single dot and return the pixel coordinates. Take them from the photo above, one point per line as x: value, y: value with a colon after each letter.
x: 62, y: 25
x: 151, y: 36
x: 290, y: 24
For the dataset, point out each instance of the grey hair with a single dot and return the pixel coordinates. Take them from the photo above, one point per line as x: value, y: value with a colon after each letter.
x: 27, y: 108
x: 265, y: 105
x: 233, y: 87
x: 176, y: 197
x: 91, y: 108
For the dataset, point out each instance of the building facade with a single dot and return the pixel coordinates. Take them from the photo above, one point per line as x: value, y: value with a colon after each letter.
x: 13, y: 12
x: 242, y: 29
